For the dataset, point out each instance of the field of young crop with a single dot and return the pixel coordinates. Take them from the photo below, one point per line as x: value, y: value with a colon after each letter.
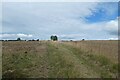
x: 57, y: 59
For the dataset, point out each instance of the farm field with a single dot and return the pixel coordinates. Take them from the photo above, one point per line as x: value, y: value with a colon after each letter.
x: 60, y: 59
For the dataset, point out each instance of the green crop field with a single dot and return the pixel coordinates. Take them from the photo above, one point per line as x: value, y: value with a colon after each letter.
x: 60, y: 59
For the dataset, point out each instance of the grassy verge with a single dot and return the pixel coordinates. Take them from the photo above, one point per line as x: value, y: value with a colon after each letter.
x: 100, y: 64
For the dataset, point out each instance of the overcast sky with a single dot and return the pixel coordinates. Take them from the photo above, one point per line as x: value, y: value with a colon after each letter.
x: 67, y: 20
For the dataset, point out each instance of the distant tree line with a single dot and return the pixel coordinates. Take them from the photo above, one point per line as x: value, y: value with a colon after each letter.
x: 19, y: 39
x: 53, y: 38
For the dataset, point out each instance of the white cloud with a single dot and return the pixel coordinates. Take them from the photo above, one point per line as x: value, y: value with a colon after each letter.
x: 109, y: 26
x: 45, y: 17
x: 112, y: 25
x: 60, y: 0
x: 113, y: 39
x: 24, y: 35
x: 53, y: 18
x: 71, y: 36
x: 15, y: 35
x: 0, y: 17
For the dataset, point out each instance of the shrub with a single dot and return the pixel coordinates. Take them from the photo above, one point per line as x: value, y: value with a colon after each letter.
x: 18, y: 39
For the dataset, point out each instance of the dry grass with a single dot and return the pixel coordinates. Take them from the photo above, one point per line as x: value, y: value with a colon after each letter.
x: 81, y: 59
x: 23, y: 59
x: 65, y: 63
x: 108, y: 49
x: 102, y: 56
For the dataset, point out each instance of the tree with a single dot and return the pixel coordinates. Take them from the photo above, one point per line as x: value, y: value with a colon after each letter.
x: 18, y: 39
x: 37, y: 39
x: 54, y: 38
x: 83, y: 39
x: 33, y: 40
